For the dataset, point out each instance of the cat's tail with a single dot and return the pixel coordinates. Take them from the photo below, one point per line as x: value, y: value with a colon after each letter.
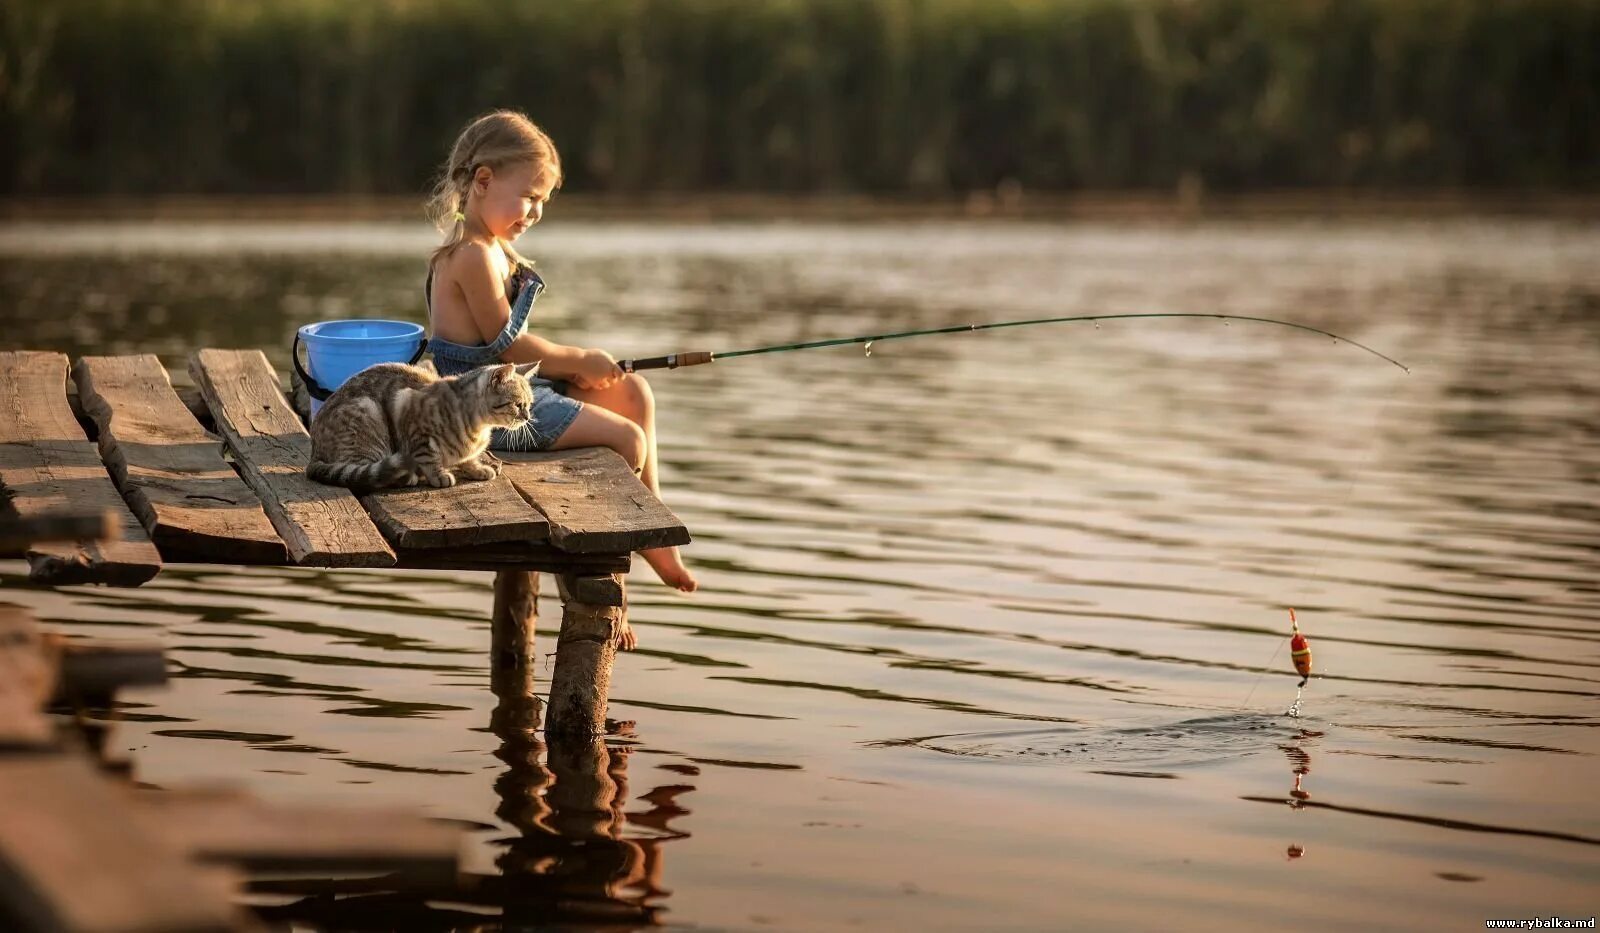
x: 376, y: 474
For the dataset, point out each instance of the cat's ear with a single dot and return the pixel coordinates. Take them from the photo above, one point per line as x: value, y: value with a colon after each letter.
x: 504, y: 372
x: 529, y: 369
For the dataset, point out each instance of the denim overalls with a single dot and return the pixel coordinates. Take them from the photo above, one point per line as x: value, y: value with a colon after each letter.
x: 553, y: 411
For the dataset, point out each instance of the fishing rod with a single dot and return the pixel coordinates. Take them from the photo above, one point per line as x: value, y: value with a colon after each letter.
x: 696, y: 357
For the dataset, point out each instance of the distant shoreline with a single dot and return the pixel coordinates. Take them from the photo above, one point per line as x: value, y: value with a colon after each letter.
x: 759, y: 207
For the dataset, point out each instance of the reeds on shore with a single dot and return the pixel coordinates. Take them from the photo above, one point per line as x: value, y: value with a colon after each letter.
x: 835, y: 96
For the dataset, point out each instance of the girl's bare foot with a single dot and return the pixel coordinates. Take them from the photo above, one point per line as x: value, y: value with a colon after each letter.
x: 669, y: 567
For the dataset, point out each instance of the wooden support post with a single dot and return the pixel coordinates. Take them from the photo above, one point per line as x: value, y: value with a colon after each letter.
x: 511, y: 658
x: 516, y: 610
x: 590, y: 635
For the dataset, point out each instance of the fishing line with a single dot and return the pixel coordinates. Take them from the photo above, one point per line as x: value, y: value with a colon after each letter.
x: 1264, y: 670
x: 1386, y: 402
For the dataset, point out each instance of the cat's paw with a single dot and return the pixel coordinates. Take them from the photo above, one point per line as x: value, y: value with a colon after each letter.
x: 477, y: 470
x: 443, y: 479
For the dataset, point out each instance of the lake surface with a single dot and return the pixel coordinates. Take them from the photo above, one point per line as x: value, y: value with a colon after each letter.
x: 993, y: 626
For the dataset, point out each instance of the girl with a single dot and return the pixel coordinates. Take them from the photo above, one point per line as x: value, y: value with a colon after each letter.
x: 501, y: 172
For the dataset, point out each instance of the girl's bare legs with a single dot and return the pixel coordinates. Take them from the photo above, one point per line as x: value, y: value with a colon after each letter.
x: 623, y: 417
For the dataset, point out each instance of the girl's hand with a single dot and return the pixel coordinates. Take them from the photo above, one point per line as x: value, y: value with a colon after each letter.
x: 596, y: 370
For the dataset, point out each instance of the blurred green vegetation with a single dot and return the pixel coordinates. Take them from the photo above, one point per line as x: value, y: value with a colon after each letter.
x: 881, y: 96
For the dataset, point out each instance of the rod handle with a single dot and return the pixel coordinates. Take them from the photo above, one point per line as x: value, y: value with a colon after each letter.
x: 670, y: 361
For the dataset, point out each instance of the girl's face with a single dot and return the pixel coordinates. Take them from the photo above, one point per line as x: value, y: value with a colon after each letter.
x: 512, y: 199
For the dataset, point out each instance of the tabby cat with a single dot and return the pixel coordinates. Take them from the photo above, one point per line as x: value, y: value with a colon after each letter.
x: 399, y: 425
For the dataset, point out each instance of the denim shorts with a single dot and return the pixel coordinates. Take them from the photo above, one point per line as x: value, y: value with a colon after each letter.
x: 553, y: 413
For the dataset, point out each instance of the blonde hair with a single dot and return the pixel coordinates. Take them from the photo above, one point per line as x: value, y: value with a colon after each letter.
x: 495, y: 139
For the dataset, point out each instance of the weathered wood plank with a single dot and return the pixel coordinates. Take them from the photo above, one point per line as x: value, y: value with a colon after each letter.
x: 17, y: 533
x: 27, y: 675
x: 188, y: 498
x: 69, y: 860
x: 47, y: 465
x: 324, y: 526
x: 188, y: 395
x: 233, y: 828
x: 593, y: 501
x: 497, y: 557
x: 92, y: 669
x: 468, y: 513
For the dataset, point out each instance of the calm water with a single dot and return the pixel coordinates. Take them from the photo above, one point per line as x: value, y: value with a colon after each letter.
x: 993, y: 628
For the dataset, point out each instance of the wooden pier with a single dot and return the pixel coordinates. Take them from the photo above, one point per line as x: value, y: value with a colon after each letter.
x: 107, y: 473
x: 219, y: 478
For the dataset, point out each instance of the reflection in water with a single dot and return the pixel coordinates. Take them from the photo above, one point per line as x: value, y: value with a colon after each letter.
x: 1299, y: 766
x: 578, y: 856
x: 572, y: 859
x: 1051, y: 557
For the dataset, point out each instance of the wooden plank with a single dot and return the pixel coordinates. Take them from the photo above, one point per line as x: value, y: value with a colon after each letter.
x: 47, y: 465
x: 497, y: 557
x: 188, y: 498
x: 593, y: 502
x: 188, y: 395
x: 70, y: 860
x: 230, y: 827
x: 27, y: 675
x: 94, y: 668
x: 324, y: 526
x: 468, y: 513
x: 17, y: 533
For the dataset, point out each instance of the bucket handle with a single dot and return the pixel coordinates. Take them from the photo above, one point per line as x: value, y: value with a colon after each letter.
x: 318, y: 392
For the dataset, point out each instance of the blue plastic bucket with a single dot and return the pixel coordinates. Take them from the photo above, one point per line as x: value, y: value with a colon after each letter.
x: 337, y: 350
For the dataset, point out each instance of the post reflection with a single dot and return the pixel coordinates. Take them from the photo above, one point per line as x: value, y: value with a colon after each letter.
x: 578, y: 857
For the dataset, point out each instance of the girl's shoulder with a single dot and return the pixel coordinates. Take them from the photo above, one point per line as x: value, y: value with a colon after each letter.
x: 471, y: 265
x: 468, y: 257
